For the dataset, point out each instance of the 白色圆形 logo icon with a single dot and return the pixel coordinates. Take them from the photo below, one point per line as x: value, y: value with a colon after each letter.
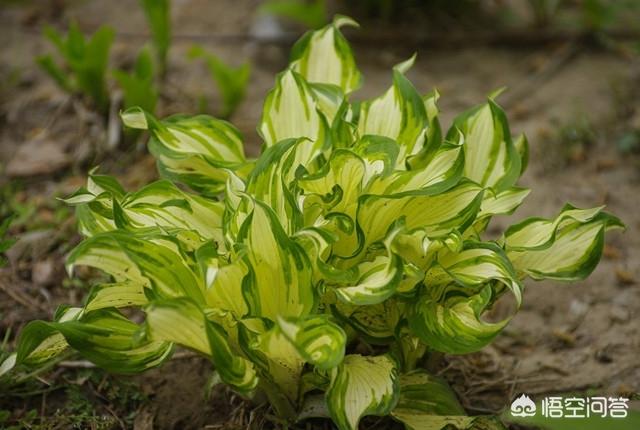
x: 523, y: 406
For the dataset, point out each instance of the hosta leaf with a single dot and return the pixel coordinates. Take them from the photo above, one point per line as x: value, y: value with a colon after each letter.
x: 539, y: 233
x: 98, y: 184
x: 448, y: 318
x: 478, y: 263
x: 279, y: 280
x: 195, y: 150
x: 505, y: 202
x: 398, y: 114
x: 274, y: 354
x: 223, y: 281
x: 116, y: 295
x: 491, y: 158
x: 152, y: 261
x: 324, y: 56
x: 94, y: 204
x: 181, y: 321
x: 362, y: 386
x: 318, y: 340
x: 380, y: 155
x: 377, y: 279
x: 331, y: 102
x: 436, y: 214
x: 291, y: 112
x: 343, y: 175
x: 162, y: 204
x: 427, y: 403
x: 39, y: 342
x: 271, y: 179
x: 419, y: 251
x: 377, y: 282
x: 565, y: 248
x: 441, y: 172
x: 522, y: 146
x: 453, y: 324
x: 104, y: 337
x: 376, y: 323
x: 433, y: 135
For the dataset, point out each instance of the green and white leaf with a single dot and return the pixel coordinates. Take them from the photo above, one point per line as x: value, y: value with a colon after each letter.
x: 181, y: 321
x: 324, y: 56
x: 491, y: 157
x: 278, y: 283
x: 104, y: 337
x: 565, y: 248
x: 399, y: 114
x: 162, y: 204
x: 195, y: 150
x: 437, y: 214
x: 153, y: 261
x: 116, y: 295
x: 317, y: 339
x: 428, y: 403
x: 291, y: 111
x: 453, y: 324
x: 361, y: 386
x: 275, y: 355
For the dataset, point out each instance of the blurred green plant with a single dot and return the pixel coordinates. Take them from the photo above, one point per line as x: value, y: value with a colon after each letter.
x: 311, y: 14
x: 158, y: 13
x: 593, y: 16
x: 629, y: 142
x: 231, y: 81
x: 543, y: 11
x: 575, y: 137
x: 596, y: 14
x: 85, y: 62
x: 138, y: 85
x: 5, y: 243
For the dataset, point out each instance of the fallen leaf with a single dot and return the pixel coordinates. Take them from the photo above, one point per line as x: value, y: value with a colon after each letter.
x: 624, y: 277
x: 610, y: 252
x: 606, y: 164
x: 44, y: 273
x: 37, y: 157
x: 564, y: 336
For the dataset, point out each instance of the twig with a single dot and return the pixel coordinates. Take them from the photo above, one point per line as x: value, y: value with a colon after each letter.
x: 565, y: 54
x: 77, y: 364
x: 21, y: 298
x: 184, y: 354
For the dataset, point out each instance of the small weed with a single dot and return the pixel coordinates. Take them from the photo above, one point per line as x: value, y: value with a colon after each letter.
x: 231, y: 81
x: 85, y: 62
x: 158, y: 13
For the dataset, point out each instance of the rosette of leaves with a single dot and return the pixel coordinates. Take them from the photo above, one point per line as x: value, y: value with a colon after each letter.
x: 357, y: 223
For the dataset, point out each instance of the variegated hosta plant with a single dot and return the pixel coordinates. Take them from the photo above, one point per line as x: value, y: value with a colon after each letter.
x: 359, y: 224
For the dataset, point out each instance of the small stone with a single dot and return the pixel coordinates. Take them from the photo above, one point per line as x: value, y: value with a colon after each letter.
x: 603, y: 356
x: 43, y: 273
x: 564, y: 336
x: 625, y: 277
x: 620, y: 314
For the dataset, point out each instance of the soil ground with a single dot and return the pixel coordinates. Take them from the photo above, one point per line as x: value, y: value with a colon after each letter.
x: 575, y: 103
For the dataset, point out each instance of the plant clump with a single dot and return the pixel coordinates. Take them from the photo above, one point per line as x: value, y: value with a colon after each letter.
x: 357, y: 223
